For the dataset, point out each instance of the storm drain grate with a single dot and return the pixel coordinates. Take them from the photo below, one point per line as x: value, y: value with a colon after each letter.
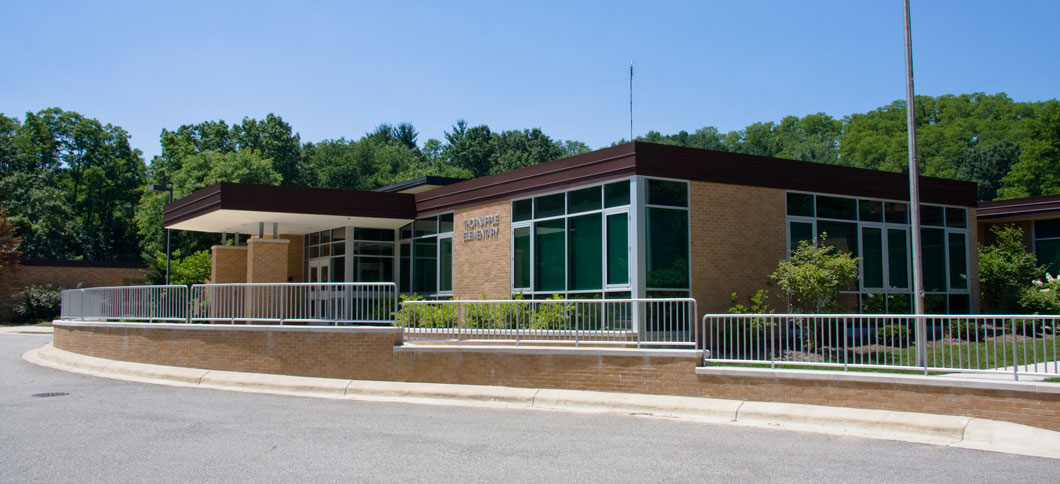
x: 50, y: 394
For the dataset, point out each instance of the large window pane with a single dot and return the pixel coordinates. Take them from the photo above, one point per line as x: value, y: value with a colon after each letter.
x: 800, y: 231
x: 896, y: 213
x: 616, y: 194
x: 405, y: 277
x: 521, y: 264
x: 800, y: 204
x: 934, y: 257
x: 445, y: 223
x: 549, y: 255
x: 1047, y: 229
x: 1049, y: 255
x: 583, y: 200
x: 667, y: 248
x: 549, y: 206
x: 618, y: 248
x: 956, y: 217
x: 872, y: 264
x: 425, y: 265
x: 841, y: 235
x: 522, y: 210
x: 958, y: 266
x: 382, y: 235
x: 338, y: 269
x: 836, y: 207
x: 373, y: 248
x: 427, y: 226
x: 870, y: 211
x: 931, y: 216
x: 670, y: 193
x: 898, y: 258
x: 445, y: 264
x: 373, y: 269
x: 585, y: 262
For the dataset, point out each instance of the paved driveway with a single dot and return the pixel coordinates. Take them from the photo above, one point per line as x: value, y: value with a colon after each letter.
x: 116, y: 431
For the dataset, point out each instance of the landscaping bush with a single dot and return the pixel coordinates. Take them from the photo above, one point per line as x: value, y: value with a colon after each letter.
x: 424, y: 315
x: 1026, y: 327
x: 966, y: 330
x: 758, y: 328
x: 894, y: 335
x: 39, y: 303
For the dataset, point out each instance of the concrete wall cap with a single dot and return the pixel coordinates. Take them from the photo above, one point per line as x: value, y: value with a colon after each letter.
x: 230, y: 327
x: 552, y: 350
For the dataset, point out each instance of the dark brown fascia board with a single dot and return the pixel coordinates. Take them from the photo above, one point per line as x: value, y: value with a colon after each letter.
x: 760, y: 171
x: 676, y: 162
x: 1046, y: 206
x: 599, y: 165
x: 290, y: 199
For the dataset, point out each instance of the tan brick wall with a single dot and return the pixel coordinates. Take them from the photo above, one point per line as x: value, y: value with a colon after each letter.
x: 14, y: 278
x: 295, y: 257
x: 482, y: 266
x: 986, y: 237
x: 352, y: 354
x: 228, y: 264
x: 267, y: 260
x: 738, y: 235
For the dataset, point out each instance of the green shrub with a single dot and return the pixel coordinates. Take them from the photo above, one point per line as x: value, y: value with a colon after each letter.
x: 424, y: 315
x: 756, y: 304
x: 966, y: 330
x: 1026, y: 327
x: 552, y: 315
x: 1005, y: 269
x: 39, y: 303
x: 1042, y: 298
x: 894, y: 335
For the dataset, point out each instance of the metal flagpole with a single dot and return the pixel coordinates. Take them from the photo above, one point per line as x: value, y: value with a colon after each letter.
x: 914, y: 201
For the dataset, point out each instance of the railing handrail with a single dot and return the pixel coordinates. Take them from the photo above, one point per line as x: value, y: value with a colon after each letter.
x: 505, y: 301
x: 878, y: 315
x: 295, y: 284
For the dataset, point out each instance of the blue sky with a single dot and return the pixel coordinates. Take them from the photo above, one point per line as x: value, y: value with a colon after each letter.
x: 338, y: 69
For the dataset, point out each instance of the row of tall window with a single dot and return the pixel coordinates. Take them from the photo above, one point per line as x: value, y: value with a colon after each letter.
x: 878, y: 232
x: 426, y: 251
x: 578, y: 242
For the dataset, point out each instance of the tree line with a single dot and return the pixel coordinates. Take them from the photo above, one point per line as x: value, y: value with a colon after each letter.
x: 74, y: 188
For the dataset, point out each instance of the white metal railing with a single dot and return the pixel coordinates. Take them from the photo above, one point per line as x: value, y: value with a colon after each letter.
x: 126, y: 303
x: 335, y: 303
x: 1005, y: 344
x: 639, y: 322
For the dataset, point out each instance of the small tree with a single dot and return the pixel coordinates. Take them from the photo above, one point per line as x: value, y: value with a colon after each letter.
x: 814, y: 275
x: 191, y: 269
x: 8, y: 243
x: 1006, y: 268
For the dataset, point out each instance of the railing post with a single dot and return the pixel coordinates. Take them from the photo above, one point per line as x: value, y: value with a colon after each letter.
x: 1015, y: 354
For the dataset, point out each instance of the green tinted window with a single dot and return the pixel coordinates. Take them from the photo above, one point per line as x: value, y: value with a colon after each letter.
x: 956, y: 218
x: 669, y: 193
x: 445, y: 263
x: 383, y: 235
x: 1049, y: 254
x: 445, y: 223
x: 959, y: 304
x: 549, y: 206
x: 427, y: 226
x: 870, y: 211
x: 958, y: 264
x: 425, y: 265
x: 667, y: 248
x: 373, y: 269
x: 934, y: 257
x: 521, y: 264
x: 934, y: 303
x: 522, y: 210
x: 872, y: 264
x: 616, y: 194
x: 931, y: 216
x: 841, y: 235
x: 405, y: 276
x: 898, y: 258
x: 406, y: 231
x: 800, y: 231
x: 583, y: 200
x: 549, y: 255
x: 896, y: 213
x: 1047, y: 229
x: 835, y: 207
x: 800, y: 204
x: 618, y: 248
x: 585, y: 261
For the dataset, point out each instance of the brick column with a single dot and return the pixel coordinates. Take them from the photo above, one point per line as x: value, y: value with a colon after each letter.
x: 228, y: 264
x: 267, y: 260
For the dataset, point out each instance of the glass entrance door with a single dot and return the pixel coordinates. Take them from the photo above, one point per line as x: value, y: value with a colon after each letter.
x: 318, y: 294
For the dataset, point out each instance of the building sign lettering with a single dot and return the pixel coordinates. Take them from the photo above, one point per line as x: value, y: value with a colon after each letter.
x: 482, y: 228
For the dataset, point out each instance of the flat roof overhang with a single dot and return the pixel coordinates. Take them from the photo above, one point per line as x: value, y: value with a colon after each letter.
x: 240, y: 208
x: 1029, y: 208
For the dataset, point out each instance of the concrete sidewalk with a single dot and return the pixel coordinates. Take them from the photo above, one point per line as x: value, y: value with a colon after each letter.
x: 30, y: 329
x: 964, y: 432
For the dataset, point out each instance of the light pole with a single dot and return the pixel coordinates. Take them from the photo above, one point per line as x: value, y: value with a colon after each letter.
x: 914, y: 201
x: 163, y: 188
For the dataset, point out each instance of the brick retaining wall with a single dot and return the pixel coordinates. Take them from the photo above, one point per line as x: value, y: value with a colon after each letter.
x: 374, y: 353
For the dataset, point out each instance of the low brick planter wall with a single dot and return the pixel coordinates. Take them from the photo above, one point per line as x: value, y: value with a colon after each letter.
x: 377, y: 353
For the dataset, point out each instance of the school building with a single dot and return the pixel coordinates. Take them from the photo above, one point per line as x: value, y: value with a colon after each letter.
x: 635, y: 220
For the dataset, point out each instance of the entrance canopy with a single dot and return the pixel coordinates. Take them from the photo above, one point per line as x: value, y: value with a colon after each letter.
x: 242, y: 208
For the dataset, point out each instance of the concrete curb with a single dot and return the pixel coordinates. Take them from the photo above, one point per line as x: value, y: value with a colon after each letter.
x: 963, y: 432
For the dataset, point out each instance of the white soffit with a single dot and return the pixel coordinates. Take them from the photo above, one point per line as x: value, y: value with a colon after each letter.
x: 246, y: 222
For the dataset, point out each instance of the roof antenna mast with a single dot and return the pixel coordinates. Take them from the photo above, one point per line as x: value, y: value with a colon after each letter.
x: 631, y: 100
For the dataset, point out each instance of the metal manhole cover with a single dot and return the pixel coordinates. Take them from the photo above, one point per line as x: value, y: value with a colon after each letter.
x: 50, y: 394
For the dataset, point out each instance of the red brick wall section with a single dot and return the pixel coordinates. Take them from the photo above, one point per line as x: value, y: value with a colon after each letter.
x: 368, y: 354
x: 15, y: 278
